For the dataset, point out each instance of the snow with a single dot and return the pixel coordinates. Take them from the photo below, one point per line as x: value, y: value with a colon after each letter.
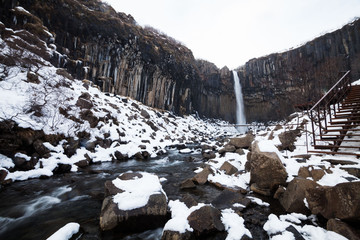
x: 21, y: 9
x: 137, y: 191
x: 185, y: 150
x: 6, y: 162
x: 276, y: 225
x: 66, y: 232
x: 234, y: 225
x: 179, y: 215
x: 258, y: 201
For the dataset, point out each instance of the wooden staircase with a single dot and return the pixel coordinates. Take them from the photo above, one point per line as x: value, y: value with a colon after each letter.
x: 336, y: 120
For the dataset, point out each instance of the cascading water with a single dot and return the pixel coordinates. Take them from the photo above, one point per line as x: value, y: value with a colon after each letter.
x: 240, y: 114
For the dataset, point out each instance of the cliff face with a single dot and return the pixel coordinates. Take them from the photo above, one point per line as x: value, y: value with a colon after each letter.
x: 273, y: 84
x: 110, y: 49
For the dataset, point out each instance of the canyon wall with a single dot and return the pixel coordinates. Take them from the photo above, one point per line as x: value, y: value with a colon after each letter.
x: 110, y: 49
x: 274, y: 84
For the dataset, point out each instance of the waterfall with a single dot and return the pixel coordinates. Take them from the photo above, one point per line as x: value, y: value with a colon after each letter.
x: 240, y: 114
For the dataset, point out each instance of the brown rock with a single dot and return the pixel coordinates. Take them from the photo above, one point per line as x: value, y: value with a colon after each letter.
x: 171, y: 235
x: 119, y: 156
x: 62, y: 168
x: 201, y: 177
x: 279, y: 192
x: 255, y: 188
x: 111, y: 189
x: 40, y: 148
x: 266, y: 170
x: 293, y: 198
x: 82, y: 164
x: 130, y: 176
x: 32, y: 77
x: 187, y: 184
x: 240, y: 151
x: 228, y: 168
x: 244, y: 142
x: 3, y: 174
x: 227, y: 148
x: 288, y: 139
x: 343, y: 228
x: 209, y: 155
x: 145, y: 114
x: 152, y: 215
x: 312, y: 171
x: 84, y: 103
x: 206, y: 220
x: 353, y: 171
x: 189, y: 200
x: 341, y: 201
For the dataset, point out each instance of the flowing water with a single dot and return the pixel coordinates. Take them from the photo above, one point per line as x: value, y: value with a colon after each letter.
x: 240, y: 114
x: 37, y: 208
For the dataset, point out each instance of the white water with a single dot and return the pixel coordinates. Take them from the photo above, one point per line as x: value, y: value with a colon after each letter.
x: 240, y: 114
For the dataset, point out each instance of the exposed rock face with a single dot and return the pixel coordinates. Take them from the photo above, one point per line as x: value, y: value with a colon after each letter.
x: 273, y: 84
x: 345, y: 196
x: 106, y: 48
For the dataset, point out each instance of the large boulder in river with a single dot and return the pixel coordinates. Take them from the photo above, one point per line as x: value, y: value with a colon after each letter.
x: 293, y: 198
x: 341, y: 201
x: 266, y: 170
x: 243, y: 142
x: 205, y: 221
x: 133, y: 202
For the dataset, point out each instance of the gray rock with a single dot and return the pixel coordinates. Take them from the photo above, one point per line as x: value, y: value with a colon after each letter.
x: 206, y: 220
x: 228, y: 168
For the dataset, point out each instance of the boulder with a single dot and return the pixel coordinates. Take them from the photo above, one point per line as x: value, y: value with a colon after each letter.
x: 315, y: 172
x: 288, y: 139
x: 227, y: 148
x: 3, y: 174
x: 120, y: 157
x: 40, y: 148
x: 293, y: 198
x: 82, y: 163
x: 205, y: 221
x: 136, y: 207
x: 243, y: 142
x: 84, y: 103
x: 171, y: 235
x: 32, y: 77
x: 228, y: 168
x: 343, y: 228
x: 189, y: 200
x: 62, y: 168
x: 240, y: 151
x: 201, y: 177
x: 187, y: 184
x: 145, y: 114
x: 209, y: 155
x: 266, y: 169
x: 341, y: 201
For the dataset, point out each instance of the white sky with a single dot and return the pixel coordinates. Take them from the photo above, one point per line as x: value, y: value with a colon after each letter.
x: 230, y: 32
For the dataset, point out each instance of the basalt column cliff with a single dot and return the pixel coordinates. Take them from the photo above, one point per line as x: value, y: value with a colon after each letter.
x: 110, y: 49
x: 274, y: 84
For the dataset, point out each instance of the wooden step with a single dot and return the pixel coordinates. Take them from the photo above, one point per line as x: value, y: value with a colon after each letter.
x: 349, y: 126
x: 333, y: 146
x: 337, y: 139
x: 340, y: 130
x: 340, y: 135
x: 335, y: 153
x: 345, y: 122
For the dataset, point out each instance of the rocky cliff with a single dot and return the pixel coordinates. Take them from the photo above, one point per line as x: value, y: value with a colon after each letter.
x: 94, y: 42
x: 274, y: 84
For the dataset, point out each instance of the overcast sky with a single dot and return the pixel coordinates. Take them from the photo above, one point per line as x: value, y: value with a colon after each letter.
x: 230, y: 32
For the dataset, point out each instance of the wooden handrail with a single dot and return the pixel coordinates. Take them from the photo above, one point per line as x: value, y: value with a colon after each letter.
x: 330, y: 90
x: 327, y: 104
